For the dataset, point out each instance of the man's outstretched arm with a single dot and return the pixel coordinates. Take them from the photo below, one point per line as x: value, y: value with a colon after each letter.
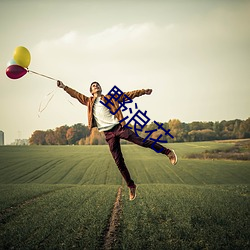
x: 137, y: 93
x: 80, y: 97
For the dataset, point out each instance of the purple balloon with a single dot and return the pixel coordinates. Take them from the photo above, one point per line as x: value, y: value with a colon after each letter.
x: 15, y: 71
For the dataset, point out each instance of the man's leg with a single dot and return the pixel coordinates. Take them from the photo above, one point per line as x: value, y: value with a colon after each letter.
x: 115, y: 149
x: 129, y: 135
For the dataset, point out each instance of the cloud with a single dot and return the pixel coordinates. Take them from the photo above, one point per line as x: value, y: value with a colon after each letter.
x: 115, y: 47
x: 117, y: 40
x: 201, y: 41
x: 119, y: 35
x: 112, y: 36
x: 68, y: 38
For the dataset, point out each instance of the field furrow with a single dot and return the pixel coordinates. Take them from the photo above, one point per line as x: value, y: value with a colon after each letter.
x: 64, y: 197
x: 66, y: 218
x: 186, y: 217
x: 9, y: 212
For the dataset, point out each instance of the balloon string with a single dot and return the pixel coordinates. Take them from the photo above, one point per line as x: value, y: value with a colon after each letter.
x: 31, y: 71
x: 71, y: 103
x: 50, y: 96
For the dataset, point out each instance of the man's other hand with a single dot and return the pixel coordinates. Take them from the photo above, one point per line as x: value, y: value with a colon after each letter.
x: 148, y: 91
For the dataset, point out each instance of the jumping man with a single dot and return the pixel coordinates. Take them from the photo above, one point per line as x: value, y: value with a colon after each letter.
x: 99, y: 116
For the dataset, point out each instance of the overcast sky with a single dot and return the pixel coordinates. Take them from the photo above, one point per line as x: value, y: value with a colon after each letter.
x: 195, y: 55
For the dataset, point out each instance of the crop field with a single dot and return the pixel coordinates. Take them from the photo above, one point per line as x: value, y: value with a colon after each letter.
x: 73, y: 197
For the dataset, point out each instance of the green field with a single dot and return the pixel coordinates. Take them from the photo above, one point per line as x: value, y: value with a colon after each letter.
x: 62, y: 197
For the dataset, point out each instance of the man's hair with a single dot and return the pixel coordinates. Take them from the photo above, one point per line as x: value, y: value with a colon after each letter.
x: 90, y: 88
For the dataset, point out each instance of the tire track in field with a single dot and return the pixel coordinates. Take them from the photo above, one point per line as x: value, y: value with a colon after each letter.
x: 57, y: 229
x: 48, y: 169
x: 6, y: 214
x: 67, y: 172
x: 176, y: 174
x: 89, y: 181
x: 11, y: 164
x: 184, y: 170
x: 46, y: 166
x: 195, y: 178
x: 112, y: 229
x: 84, y: 181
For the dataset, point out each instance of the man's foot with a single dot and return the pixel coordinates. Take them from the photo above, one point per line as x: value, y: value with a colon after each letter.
x: 132, y: 193
x: 172, y: 157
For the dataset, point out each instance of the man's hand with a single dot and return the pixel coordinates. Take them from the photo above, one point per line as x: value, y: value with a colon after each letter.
x: 148, y: 91
x: 60, y: 84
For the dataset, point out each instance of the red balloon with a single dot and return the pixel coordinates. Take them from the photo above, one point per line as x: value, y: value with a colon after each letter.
x: 15, y: 71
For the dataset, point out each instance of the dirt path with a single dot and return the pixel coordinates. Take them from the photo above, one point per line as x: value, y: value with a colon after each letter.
x: 111, y: 235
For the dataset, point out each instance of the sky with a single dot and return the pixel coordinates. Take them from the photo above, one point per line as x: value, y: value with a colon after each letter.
x: 195, y: 55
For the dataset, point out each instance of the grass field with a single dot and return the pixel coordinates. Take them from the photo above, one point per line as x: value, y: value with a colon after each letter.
x: 62, y: 197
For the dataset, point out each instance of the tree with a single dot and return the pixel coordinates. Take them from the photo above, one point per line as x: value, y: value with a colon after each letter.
x: 38, y: 138
x: 245, y: 129
x: 185, y: 130
x: 216, y: 129
x: 196, y: 126
x: 194, y: 131
x: 70, y: 136
x: 76, y: 133
x: 96, y: 137
x: 176, y: 130
x: 202, y: 135
x: 60, y: 134
x: 50, y: 137
x: 236, y: 128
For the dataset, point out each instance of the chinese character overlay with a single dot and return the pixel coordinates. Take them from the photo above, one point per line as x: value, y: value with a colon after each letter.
x: 116, y: 94
x: 140, y: 118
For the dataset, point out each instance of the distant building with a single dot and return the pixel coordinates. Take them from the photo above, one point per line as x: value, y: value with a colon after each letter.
x: 1, y: 138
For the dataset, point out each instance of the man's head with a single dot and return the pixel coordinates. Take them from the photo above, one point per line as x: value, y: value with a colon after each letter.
x: 95, y: 87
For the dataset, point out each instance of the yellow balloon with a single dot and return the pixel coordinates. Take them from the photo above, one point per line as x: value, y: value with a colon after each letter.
x: 22, y: 56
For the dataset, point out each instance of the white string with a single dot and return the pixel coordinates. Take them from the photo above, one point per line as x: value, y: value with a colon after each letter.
x: 71, y: 103
x: 51, y: 78
x: 49, y: 96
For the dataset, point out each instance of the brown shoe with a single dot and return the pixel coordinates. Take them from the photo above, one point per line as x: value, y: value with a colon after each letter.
x: 132, y: 193
x: 172, y: 157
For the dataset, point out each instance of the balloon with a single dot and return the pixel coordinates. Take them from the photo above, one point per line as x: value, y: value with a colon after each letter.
x: 11, y: 62
x: 22, y: 56
x: 15, y: 71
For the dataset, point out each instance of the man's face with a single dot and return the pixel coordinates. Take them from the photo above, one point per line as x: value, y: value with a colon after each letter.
x: 95, y: 88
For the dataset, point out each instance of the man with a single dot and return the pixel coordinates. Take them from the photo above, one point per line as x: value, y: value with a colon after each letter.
x: 100, y: 116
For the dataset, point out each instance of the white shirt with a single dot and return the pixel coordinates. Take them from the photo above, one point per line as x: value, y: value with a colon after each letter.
x: 104, y: 119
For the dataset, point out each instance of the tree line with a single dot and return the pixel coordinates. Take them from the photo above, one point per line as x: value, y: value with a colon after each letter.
x: 79, y: 134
